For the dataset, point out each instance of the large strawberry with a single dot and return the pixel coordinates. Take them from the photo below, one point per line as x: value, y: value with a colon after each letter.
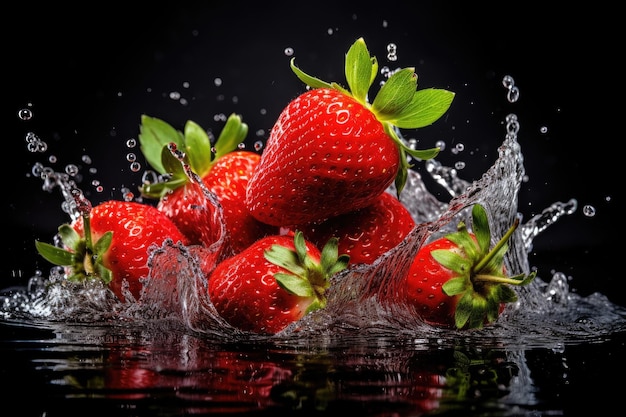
x: 112, y: 242
x: 274, y: 282
x: 331, y: 151
x: 366, y: 233
x: 457, y: 281
x: 224, y: 169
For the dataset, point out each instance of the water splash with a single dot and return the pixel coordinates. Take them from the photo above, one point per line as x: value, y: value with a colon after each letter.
x: 362, y: 299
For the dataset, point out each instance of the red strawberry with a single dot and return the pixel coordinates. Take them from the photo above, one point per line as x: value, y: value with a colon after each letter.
x: 331, y: 152
x: 367, y: 233
x: 274, y: 282
x: 112, y: 241
x: 457, y: 281
x: 223, y: 168
x: 228, y: 179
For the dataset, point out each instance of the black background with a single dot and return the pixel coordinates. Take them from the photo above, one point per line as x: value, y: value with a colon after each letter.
x: 89, y: 73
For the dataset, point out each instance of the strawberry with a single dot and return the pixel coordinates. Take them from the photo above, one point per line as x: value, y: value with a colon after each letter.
x: 274, y: 282
x: 457, y: 281
x: 111, y: 242
x: 223, y: 168
x: 366, y: 233
x: 331, y: 151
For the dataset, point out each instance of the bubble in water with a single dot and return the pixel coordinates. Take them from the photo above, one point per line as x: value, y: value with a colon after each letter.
x: 263, y: 111
x: 174, y: 95
x: 330, y: 31
x: 385, y: 23
x: 392, y: 52
x: 131, y: 157
x: 258, y: 145
x: 589, y: 210
x: 86, y: 159
x: 260, y: 132
x: 71, y: 170
x: 135, y: 166
x: 186, y: 84
x: 543, y: 129
x: 241, y: 145
x: 217, y: 82
x: 25, y: 114
x: 131, y: 143
x: 289, y: 51
x: 440, y: 144
x: 459, y: 165
x: 34, y: 144
x: 513, y: 93
x: 52, y: 159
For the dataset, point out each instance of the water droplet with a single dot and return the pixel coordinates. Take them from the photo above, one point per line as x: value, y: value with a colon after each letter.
x: 513, y: 95
x: 71, y: 170
x: 589, y: 210
x: 508, y: 81
x: 288, y: 51
x: 25, y: 114
x: 392, y: 52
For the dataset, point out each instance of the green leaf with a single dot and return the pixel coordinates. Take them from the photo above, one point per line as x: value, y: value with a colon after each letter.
x: 481, y: 229
x: 395, y: 94
x: 307, y: 79
x: 69, y: 236
x: 153, y: 135
x: 54, y: 254
x: 197, y: 148
x: 456, y: 285
x: 285, y: 258
x: 452, y: 261
x: 360, y: 70
x: 233, y: 133
x: 426, y: 107
x: 295, y: 285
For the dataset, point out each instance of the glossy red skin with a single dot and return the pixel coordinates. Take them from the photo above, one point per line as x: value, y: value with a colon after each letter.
x: 326, y: 155
x: 245, y: 293
x: 135, y: 228
x: 424, y: 283
x: 367, y: 233
x: 227, y: 179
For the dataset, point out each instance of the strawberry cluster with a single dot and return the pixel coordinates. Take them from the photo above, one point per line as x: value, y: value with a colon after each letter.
x: 312, y: 204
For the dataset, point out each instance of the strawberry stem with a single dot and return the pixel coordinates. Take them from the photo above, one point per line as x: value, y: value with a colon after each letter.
x: 487, y: 258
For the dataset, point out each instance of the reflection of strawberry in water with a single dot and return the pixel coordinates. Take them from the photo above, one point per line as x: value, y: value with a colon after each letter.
x: 218, y: 381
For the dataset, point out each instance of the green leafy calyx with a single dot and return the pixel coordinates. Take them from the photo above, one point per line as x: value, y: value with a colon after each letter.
x: 398, y: 105
x: 479, y: 275
x: 305, y: 276
x: 84, y: 259
x: 156, y: 137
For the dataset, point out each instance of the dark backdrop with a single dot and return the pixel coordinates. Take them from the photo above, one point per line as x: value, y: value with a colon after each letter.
x: 88, y: 73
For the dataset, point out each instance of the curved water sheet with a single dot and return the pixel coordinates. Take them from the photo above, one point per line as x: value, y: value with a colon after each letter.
x: 363, y: 300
